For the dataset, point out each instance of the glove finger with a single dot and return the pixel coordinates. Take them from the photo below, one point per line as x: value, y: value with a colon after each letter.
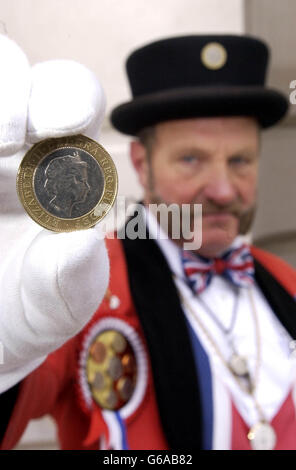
x: 69, y: 284
x: 15, y: 82
x: 66, y: 99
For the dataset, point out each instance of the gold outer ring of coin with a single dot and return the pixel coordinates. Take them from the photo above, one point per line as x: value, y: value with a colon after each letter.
x: 27, y: 195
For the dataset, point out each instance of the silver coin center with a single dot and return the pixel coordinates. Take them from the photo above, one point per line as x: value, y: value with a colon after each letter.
x: 68, y: 182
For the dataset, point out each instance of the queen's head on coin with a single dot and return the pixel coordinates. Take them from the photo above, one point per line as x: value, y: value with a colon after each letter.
x: 66, y: 183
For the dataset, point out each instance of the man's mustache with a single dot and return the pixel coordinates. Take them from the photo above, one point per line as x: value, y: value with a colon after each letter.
x: 213, y: 209
x: 244, y: 216
x: 236, y: 208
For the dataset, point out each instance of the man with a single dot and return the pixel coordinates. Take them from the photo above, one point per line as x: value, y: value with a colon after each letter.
x: 185, y: 351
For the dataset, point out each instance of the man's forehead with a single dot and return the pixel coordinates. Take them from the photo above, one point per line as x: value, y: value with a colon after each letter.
x: 233, y: 134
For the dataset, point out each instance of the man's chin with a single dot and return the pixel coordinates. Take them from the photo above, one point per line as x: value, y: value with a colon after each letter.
x: 224, y: 221
x: 214, y: 242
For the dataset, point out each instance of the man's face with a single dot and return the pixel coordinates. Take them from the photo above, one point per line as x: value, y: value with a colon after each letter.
x: 210, y: 161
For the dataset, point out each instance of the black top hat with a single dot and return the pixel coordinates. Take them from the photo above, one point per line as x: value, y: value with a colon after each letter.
x: 198, y: 76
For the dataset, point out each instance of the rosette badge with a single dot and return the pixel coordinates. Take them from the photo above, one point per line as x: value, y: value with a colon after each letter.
x: 67, y: 183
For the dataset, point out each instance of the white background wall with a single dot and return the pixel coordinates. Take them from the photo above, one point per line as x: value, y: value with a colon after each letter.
x: 274, y: 22
x: 100, y: 33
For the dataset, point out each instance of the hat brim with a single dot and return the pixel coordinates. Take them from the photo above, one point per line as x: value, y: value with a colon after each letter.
x: 268, y: 106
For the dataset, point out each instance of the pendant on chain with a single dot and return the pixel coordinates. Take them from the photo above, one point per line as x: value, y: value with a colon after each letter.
x: 238, y: 365
x: 262, y: 436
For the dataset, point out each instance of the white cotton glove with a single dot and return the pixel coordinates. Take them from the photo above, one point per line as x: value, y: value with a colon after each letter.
x: 50, y: 283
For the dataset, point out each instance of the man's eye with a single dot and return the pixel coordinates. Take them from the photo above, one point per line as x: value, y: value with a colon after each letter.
x: 239, y: 160
x: 189, y: 158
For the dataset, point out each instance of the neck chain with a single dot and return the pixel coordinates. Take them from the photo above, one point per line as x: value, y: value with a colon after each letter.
x: 261, y: 436
x: 236, y: 362
x: 228, y: 330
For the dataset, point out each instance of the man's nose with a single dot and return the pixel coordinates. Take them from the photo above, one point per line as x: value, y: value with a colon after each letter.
x: 220, y: 187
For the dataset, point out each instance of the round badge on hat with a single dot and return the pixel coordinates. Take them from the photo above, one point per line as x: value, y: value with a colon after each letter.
x: 213, y: 55
x: 113, y: 367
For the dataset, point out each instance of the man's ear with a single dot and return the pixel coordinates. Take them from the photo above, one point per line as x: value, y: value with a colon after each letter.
x: 139, y: 158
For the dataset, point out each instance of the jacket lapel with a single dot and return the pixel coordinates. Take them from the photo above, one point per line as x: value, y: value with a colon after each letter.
x: 163, y: 322
x: 281, y: 302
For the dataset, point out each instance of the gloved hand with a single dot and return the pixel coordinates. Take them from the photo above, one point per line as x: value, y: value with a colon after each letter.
x: 50, y: 283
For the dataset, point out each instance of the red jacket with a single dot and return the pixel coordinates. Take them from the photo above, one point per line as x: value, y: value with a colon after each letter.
x: 53, y: 387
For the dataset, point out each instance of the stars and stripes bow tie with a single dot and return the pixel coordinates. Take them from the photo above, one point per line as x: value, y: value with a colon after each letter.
x: 236, y: 265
